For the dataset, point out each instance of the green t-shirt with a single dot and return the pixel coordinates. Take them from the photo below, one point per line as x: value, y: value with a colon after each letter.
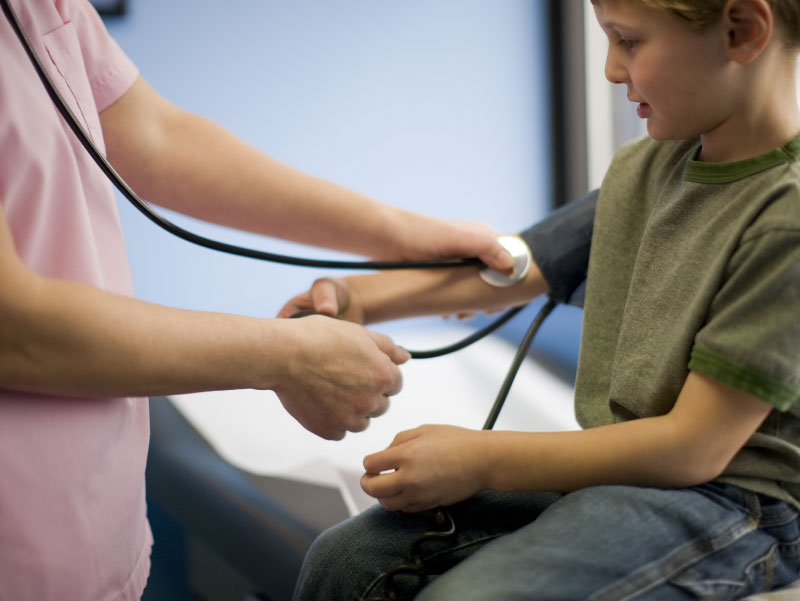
x: 696, y: 266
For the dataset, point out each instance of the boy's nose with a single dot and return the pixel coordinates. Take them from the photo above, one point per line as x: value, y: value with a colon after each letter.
x: 614, y: 71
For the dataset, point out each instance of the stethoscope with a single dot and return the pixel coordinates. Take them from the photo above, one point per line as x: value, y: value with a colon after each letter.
x: 445, y: 527
x: 521, y: 256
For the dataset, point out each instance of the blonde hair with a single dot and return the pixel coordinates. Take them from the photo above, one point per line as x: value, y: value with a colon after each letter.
x: 705, y: 13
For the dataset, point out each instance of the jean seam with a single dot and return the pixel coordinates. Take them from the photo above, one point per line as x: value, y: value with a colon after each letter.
x: 772, y: 519
x: 658, y: 572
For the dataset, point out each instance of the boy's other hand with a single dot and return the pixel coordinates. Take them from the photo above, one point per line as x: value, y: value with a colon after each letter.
x: 329, y: 296
x: 427, y: 467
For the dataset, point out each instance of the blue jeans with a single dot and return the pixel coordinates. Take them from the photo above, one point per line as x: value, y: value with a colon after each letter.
x: 608, y: 543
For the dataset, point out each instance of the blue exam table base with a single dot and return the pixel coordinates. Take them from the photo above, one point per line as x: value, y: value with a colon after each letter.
x: 260, y: 525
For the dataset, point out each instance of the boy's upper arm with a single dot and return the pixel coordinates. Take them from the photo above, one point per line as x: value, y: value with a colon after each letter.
x: 717, y: 420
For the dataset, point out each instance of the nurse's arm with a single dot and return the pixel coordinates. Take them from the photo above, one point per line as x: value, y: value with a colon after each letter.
x: 70, y: 339
x: 559, y: 245
x: 185, y: 162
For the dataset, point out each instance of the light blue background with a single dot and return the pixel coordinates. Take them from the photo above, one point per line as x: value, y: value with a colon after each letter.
x: 439, y: 106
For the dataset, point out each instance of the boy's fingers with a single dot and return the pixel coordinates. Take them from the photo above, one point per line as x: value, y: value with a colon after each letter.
x: 324, y: 297
x: 382, y: 461
x: 404, y: 436
x: 381, y: 486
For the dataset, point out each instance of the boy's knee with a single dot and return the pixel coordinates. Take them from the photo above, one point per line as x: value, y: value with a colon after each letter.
x: 332, y: 545
x: 347, y: 545
x: 329, y: 558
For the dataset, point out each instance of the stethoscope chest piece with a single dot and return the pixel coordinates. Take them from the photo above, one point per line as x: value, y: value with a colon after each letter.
x: 519, y: 250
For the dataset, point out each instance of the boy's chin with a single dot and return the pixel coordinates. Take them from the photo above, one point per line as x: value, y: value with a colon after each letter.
x: 664, y: 136
x: 664, y: 132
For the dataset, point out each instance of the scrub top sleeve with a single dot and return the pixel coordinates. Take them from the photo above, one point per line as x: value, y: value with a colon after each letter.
x: 110, y: 72
x: 560, y: 246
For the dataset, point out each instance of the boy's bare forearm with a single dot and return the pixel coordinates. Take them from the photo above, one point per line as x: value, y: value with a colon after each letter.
x: 634, y: 453
x: 439, y: 465
x: 400, y: 294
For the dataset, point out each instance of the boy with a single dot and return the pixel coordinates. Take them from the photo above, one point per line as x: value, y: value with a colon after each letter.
x: 685, y: 481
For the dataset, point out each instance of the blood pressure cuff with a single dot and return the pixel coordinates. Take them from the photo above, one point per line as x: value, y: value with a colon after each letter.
x: 560, y: 246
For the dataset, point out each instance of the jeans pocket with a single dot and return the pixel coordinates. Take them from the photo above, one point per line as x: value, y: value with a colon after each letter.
x: 762, y: 574
x: 709, y: 589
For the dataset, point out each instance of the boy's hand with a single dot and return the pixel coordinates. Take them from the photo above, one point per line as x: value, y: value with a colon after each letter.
x: 427, y: 467
x: 329, y: 296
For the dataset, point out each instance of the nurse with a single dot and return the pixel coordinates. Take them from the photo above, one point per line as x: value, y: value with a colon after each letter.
x: 78, y: 353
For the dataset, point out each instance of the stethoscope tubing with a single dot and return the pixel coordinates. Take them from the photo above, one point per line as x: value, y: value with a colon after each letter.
x: 443, y: 516
x: 164, y: 223
x: 189, y: 236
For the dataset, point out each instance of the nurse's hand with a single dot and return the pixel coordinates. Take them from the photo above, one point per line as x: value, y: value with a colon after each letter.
x: 421, y: 238
x: 337, y: 375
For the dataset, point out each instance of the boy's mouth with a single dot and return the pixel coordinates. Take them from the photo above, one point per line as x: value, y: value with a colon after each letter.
x: 643, y: 110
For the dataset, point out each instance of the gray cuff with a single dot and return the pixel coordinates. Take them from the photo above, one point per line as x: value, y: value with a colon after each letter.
x: 560, y: 247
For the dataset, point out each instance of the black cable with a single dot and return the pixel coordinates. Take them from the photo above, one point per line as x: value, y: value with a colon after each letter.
x: 217, y: 245
x: 417, y: 567
x: 184, y: 234
x: 444, y: 521
x: 522, y: 350
x: 175, y: 229
x: 465, y: 342
x: 445, y: 350
x: 442, y: 517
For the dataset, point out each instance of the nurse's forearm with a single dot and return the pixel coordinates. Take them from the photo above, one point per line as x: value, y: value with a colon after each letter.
x: 187, y: 163
x: 72, y: 339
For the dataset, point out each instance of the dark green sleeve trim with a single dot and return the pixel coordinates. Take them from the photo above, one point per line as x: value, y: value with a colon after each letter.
x: 738, y: 376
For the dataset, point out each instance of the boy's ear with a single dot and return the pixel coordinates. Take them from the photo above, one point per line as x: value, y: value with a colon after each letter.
x: 749, y: 26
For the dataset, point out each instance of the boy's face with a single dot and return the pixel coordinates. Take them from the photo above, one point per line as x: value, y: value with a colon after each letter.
x: 676, y: 74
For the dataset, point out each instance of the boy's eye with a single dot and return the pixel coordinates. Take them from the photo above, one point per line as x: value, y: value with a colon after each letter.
x: 627, y: 43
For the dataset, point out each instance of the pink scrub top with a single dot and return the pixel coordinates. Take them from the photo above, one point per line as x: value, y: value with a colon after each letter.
x: 73, y: 523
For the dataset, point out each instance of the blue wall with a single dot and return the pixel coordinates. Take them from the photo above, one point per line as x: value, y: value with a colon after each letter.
x: 439, y: 106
